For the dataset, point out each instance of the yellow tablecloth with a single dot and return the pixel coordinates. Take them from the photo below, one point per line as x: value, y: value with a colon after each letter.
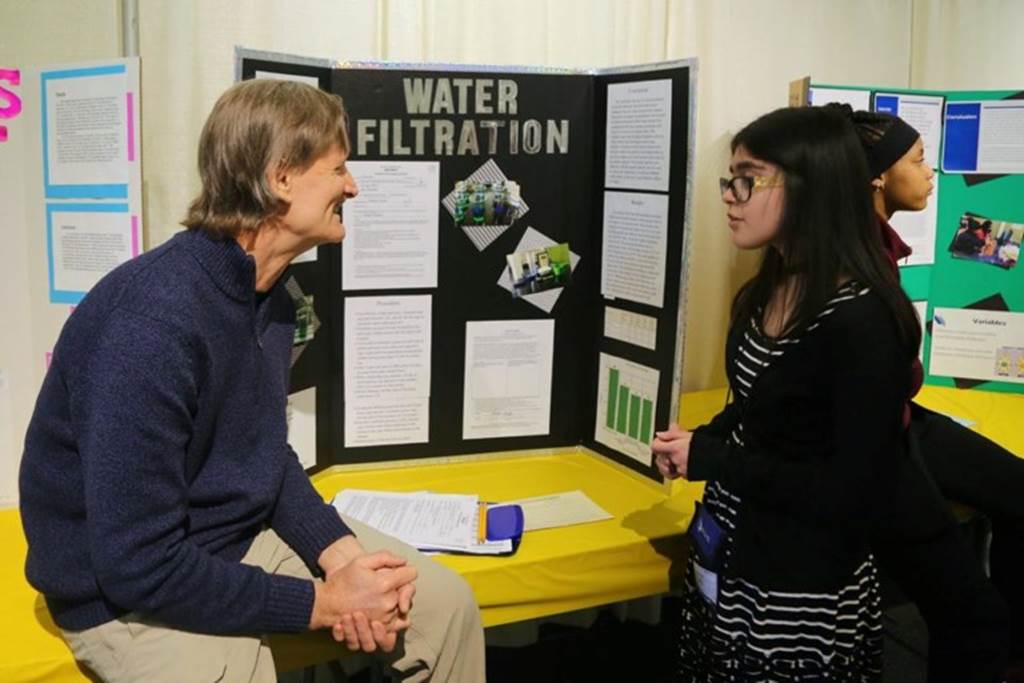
x: 555, y: 570
x: 31, y: 648
x: 998, y: 416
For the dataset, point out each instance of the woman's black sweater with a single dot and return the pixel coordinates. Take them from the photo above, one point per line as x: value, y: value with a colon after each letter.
x: 825, y: 464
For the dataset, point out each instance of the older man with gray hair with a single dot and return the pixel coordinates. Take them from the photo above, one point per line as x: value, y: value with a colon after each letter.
x: 169, y: 523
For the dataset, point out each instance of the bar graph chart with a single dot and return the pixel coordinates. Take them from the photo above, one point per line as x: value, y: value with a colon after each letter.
x: 626, y: 400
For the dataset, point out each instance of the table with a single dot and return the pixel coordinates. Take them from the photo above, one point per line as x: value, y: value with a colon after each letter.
x: 554, y: 570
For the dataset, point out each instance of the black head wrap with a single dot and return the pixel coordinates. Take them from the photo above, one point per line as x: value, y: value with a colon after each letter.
x: 885, y: 138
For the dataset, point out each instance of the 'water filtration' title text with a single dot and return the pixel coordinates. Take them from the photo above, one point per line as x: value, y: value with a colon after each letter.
x: 500, y: 133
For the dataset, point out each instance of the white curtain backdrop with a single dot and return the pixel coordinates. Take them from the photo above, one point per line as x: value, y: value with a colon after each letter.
x: 748, y: 51
x: 968, y: 45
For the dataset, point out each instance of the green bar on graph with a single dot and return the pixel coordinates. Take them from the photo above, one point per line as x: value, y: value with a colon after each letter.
x: 613, y: 393
x: 645, y: 422
x: 634, y: 417
x: 623, y: 407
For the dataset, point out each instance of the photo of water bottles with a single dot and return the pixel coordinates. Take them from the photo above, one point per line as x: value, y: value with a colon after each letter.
x: 538, y: 270
x: 495, y: 202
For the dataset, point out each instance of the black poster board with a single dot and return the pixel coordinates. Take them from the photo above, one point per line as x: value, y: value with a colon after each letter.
x: 550, y: 138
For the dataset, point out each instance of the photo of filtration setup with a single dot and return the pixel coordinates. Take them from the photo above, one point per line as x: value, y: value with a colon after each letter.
x: 538, y: 270
x: 487, y: 203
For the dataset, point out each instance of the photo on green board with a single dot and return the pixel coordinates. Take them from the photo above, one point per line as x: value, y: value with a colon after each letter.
x: 538, y: 270
x: 988, y: 241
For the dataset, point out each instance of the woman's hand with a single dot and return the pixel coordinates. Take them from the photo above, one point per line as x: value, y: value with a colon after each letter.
x: 671, y: 450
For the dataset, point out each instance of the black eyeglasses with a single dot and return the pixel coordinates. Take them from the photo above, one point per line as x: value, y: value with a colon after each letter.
x: 743, y: 186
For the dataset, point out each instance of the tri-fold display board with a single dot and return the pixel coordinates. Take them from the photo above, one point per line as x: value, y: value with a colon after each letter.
x: 514, y: 271
x: 965, y: 275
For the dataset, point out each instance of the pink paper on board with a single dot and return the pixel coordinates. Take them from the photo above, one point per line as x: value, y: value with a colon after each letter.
x: 131, y: 128
x: 3, y: 133
x: 49, y: 357
x: 135, y: 236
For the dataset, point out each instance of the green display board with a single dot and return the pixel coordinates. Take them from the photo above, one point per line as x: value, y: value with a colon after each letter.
x: 952, y: 281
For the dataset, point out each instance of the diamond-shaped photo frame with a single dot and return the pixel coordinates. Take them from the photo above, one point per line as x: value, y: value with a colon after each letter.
x: 312, y: 325
x: 482, y: 236
x: 535, y: 239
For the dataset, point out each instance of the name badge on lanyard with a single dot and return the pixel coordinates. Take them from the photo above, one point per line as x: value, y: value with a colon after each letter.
x: 707, y: 536
x: 707, y: 583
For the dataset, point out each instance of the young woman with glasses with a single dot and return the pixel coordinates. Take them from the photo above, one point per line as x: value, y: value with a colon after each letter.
x: 782, y: 583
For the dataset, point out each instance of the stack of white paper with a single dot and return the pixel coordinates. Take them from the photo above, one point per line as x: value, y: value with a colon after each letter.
x: 560, y: 509
x: 426, y: 521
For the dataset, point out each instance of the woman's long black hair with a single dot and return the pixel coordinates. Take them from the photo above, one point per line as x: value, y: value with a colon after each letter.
x: 829, y: 230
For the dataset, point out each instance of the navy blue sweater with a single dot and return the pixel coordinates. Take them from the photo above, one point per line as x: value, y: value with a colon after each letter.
x: 158, y: 450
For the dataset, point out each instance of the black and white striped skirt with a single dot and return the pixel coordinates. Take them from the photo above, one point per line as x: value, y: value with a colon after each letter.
x: 753, y: 634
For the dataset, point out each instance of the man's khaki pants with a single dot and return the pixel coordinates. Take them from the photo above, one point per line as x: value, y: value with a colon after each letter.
x: 444, y: 643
